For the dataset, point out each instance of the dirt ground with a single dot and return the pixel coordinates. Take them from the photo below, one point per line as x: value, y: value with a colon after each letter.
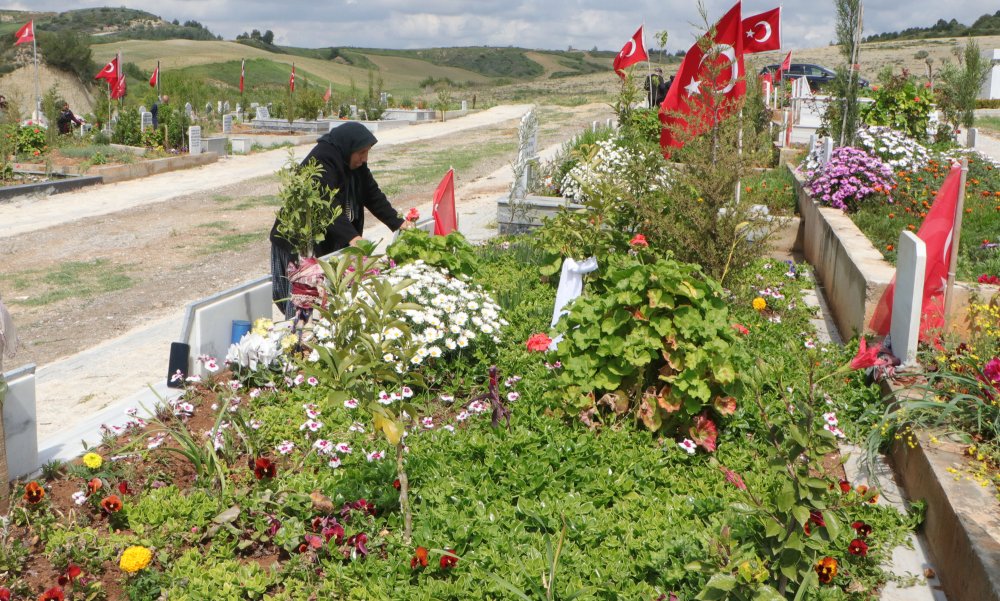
x: 72, y: 286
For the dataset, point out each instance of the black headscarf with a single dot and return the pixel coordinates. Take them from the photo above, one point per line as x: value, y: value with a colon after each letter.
x: 348, y: 138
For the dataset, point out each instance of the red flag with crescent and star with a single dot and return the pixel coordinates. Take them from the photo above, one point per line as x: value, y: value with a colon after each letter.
x: 762, y: 32
x: 938, y: 232
x: 25, y: 34
x: 118, y: 89
x: 109, y: 72
x: 443, y: 206
x: 155, y: 79
x: 291, y: 80
x: 243, y: 73
x: 633, y: 52
x: 688, y: 102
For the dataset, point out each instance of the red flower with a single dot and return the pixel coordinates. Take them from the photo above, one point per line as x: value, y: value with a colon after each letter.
x: 858, y: 547
x: 396, y: 484
x: 867, y: 357
x: 53, y: 594
x: 725, y: 405
x: 845, y: 486
x: 639, y: 240
x: 733, y: 478
x: 94, y: 485
x: 704, y: 432
x: 358, y: 541
x: 816, y: 517
x: 111, y: 504
x: 741, y: 329
x: 448, y: 561
x: 123, y: 487
x: 862, y: 528
x: 413, y: 214
x: 4, y: 593
x: 264, y: 468
x: 69, y: 575
x: 33, y: 492
x: 419, y: 559
x: 538, y: 342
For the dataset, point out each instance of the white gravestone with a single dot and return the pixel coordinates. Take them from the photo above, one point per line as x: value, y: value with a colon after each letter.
x: 218, y: 106
x: 527, y: 142
x: 225, y: 106
x: 465, y: 105
x: 142, y: 109
x: 188, y: 110
x: 263, y: 113
x: 354, y: 111
x: 991, y: 87
x: 908, y: 298
x: 194, y: 139
x: 971, y: 135
x: 827, y: 150
x: 145, y: 120
x: 227, y: 124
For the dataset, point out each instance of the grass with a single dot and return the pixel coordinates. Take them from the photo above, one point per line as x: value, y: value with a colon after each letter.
x: 215, y: 225
x: 232, y: 242
x: 248, y: 202
x: 73, y: 279
x: 989, y: 124
x: 773, y: 188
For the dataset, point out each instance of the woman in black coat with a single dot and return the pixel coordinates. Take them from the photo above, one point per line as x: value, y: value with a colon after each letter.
x: 342, y: 155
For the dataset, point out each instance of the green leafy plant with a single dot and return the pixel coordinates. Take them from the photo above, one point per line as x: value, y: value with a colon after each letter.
x: 901, y: 103
x: 305, y: 213
x: 451, y: 252
x: 30, y: 141
x: 657, y: 344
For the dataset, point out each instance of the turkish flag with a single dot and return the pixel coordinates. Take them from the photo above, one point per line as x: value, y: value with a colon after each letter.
x: 155, y: 79
x: 689, y: 105
x: 243, y: 73
x: 109, y: 72
x: 291, y: 80
x: 25, y: 34
x: 937, y: 231
x: 118, y: 89
x: 763, y: 32
x: 329, y: 93
x: 785, y: 64
x: 633, y: 52
x: 443, y: 207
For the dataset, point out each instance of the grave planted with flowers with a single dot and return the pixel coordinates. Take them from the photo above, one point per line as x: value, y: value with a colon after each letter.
x: 421, y: 430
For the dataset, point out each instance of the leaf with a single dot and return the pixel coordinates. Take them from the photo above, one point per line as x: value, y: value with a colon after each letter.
x: 228, y: 515
x: 321, y: 502
x: 801, y: 514
x: 391, y: 428
x: 718, y: 587
x: 766, y: 592
x: 833, y: 526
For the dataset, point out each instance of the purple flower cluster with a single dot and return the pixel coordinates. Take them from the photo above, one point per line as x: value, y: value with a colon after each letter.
x: 850, y: 176
x: 992, y: 371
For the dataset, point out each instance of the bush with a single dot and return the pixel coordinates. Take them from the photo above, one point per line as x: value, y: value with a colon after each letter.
x: 30, y: 140
x: 451, y: 252
x: 127, y: 129
x: 67, y: 51
x: 658, y: 344
x: 900, y: 103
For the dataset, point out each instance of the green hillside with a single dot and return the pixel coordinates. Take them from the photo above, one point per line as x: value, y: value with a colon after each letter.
x: 985, y: 25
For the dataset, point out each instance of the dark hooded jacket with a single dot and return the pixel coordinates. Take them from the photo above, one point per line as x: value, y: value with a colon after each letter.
x: 356, y: 190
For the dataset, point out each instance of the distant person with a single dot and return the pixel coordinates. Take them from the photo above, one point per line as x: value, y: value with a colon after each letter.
x: 652, y: 86
x: 67, y: 119
x: 342, y: 155
x: 155, y: 111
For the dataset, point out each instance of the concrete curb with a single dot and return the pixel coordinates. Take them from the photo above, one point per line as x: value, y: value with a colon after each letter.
x: 962, y: 524
x: 121, y: 173
x: 11, y: 193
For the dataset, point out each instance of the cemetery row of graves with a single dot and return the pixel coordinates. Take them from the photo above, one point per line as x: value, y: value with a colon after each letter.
x: 438, y: 430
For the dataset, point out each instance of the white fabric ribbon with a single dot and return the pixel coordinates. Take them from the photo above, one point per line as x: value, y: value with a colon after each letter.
x: 570, y: 287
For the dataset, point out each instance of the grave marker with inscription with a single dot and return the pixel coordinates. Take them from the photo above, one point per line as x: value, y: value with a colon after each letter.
x: 194, y: 139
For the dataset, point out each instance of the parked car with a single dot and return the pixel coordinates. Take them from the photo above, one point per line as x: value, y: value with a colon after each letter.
x: 817, y: 75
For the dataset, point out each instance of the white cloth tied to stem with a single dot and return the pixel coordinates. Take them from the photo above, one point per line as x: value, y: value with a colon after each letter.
x: 570, y: 287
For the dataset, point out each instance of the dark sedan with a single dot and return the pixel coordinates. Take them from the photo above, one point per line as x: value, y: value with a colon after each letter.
x: 817, y: 75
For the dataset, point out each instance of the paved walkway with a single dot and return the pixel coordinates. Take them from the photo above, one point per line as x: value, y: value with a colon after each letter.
x: 988, y: 145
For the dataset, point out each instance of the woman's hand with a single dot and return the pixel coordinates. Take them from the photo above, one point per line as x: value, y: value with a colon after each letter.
x: 408, y: 225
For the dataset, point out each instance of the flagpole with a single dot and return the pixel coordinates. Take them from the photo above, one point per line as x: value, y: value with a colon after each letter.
x: 38, y: 95
x: 955, y: 237
x: 649, y: 70
x: 158, y: 75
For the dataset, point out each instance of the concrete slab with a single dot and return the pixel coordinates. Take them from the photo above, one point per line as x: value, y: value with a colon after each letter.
x: 19, y: 419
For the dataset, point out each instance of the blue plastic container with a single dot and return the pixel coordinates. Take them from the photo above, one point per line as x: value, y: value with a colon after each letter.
x: 240, y: 327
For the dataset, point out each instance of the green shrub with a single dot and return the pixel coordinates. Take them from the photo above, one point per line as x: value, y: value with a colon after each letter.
x: 901, y: 103
x: 657, y: 343
x: 127, y: 129
x: 451, y: 252
x: 30, y: 141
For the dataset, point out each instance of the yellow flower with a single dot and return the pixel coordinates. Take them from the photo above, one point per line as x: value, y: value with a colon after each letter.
x: 289, y: 342
x: 92, y: 460
x: 262, y: 326
x: 134, y: 559
x: 759, y: 304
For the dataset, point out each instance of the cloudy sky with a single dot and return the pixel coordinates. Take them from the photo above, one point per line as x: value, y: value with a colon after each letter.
x: 542, y: 24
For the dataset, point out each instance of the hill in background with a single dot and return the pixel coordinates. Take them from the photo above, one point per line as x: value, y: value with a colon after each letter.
x: 984, y: 25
